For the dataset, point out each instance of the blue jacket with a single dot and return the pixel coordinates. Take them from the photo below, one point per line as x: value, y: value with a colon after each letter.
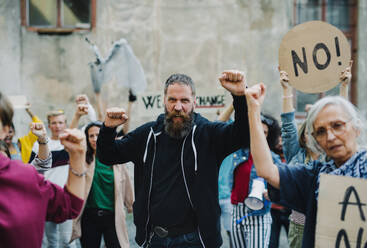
x: 293, y: 152
x: 299, y: 185
x: 202, y: 152
x: 226, y: 175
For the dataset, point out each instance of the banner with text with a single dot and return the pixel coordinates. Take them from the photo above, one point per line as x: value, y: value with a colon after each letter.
x: 314, y: 54
x: 342, y: 212
x: 152, y: 103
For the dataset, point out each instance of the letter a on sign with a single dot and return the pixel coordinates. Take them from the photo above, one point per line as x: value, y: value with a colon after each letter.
x: 341, y: 212
x: 314, y: 54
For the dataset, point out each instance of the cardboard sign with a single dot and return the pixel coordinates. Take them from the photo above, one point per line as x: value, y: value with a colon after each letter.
x: 314, y: 54
x: 152, y: 103
x: 19, y: 102
x: 342, y: 212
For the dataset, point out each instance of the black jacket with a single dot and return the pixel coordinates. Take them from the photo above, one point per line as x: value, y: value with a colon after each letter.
x: 203, y: 150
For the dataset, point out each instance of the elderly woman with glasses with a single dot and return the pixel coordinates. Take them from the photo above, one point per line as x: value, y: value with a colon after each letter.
x: 295, y: 146
x: 333, y: 127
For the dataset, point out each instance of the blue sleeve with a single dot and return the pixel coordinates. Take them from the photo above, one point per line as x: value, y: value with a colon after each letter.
x: 289, y: 136
x: 295, y: 185
x: 225, y: 180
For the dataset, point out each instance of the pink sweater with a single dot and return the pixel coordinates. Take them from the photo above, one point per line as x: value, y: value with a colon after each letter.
x: 27, y: 200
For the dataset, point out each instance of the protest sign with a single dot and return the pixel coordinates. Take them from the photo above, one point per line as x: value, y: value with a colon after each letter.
x: 152, y: 103
x: 342, y: 212
x: 314, y: 54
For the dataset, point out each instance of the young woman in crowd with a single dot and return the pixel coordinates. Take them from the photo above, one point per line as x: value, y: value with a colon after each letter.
x: 108, y: 191
x: 22, y: 149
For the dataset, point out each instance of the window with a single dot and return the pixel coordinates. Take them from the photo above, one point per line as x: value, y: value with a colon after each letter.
x: 58, y: 16
x: 343, y: 15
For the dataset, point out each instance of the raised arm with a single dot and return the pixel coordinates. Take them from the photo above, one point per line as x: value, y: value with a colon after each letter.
x: 345, y: 78
x: 287, y: 103
x: 289, y: 126
x: 228, y: 138
x: 75, y: 144
x: 43, y: 160
x: 109, y: 150
x: 226, y: 114
x: 82, y: 108
x: 39, y: 130
x: 132, y: 99
x: 260, y: 151
x: 100, y: 109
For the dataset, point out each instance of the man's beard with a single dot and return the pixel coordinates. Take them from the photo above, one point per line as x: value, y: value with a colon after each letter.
x: 178, y: 130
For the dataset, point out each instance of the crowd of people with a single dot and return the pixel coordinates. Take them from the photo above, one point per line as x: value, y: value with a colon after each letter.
x: 192, y: 176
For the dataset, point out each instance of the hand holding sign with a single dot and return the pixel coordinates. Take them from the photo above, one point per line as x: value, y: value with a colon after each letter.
x: 346, y: 75
x: 284, y: 79
x: 314, y: 54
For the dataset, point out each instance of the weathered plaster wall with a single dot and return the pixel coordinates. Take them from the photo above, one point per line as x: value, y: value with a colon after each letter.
x: 197, y: 37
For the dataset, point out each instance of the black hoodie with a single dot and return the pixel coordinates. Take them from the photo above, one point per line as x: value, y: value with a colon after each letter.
x: 203, y: 150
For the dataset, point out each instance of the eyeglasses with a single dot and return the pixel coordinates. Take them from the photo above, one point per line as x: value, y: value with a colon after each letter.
x: 337, y: 128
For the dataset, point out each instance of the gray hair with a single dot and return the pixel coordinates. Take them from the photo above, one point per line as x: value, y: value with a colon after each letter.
x: 180, y: 79
x: 357, y: 120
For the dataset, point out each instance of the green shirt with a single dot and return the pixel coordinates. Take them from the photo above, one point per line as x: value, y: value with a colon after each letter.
x: 102, y: 193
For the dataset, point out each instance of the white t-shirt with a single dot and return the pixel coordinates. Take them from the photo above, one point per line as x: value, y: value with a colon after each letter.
x: 59, y: 174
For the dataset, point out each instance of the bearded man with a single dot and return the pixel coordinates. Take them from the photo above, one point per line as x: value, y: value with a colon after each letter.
x: 177, y: 159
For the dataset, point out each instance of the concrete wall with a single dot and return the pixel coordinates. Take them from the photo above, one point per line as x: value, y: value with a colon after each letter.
x: 199, y: 38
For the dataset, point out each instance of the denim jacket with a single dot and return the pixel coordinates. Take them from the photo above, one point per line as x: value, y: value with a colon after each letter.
x: 226, y: 175
x: 293, y: 153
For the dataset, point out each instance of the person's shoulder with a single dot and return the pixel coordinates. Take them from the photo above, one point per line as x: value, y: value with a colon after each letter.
x: 363, y: 154
x: 146, y: 126
x: 199, y: 119
x: 19, y: 168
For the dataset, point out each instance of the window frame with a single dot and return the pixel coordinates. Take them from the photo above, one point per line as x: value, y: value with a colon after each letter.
x: 59, y: 28
x: 352, y: 34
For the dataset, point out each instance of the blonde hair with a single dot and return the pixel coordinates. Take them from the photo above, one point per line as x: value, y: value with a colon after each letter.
x: 54, y: 113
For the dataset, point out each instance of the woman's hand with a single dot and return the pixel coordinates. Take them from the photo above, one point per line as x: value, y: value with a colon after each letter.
x: 346, y: 75
x: 284, y: 80
x: 39, y: 130
x: 74, y: 142
x: 255, y: 96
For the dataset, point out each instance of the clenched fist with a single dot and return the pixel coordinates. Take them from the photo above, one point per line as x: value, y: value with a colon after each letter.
x: 82, y: 109
x: 74, y: 141
x: 234, y: 82
x: 81, y: 99
x: 255, y: 96
x: 115, y: 117
x: 39, y: 130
